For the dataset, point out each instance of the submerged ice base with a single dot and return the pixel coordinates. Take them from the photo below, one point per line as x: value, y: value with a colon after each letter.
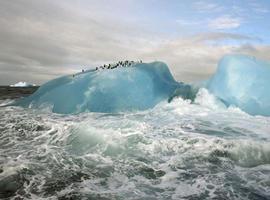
x: 243, y: 81
x: 138, y: 87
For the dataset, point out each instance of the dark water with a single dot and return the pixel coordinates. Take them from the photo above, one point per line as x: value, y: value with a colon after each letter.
x: 7, y: 93
x: 173, y: 151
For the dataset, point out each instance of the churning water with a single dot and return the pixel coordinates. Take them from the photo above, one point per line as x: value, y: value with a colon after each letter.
x: 173, y: 151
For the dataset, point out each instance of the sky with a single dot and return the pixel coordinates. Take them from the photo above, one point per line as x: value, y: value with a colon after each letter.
x: 43, y: 39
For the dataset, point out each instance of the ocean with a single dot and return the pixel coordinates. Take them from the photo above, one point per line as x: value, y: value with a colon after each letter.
x: 177, y: 150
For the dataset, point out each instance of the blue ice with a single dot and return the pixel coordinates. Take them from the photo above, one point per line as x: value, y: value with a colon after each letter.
x: 138, y: 87
x: 243, y: 81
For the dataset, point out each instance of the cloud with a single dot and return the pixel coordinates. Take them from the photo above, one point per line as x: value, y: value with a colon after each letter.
x: 46, y: 39
x: 224, y: 22
x: 259, y: 8
x: 41, y: 40
x: 203, y: 6
x: 219, y: 36
x: 192, y: 58
x: 183, y: 22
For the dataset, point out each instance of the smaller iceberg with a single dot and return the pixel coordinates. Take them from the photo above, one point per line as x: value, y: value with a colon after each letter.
x: 243, y: 81
x: 22, y: 84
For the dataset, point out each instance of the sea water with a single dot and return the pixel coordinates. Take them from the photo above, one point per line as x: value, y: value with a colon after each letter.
x: 177, y: 150
x: 171, y: 144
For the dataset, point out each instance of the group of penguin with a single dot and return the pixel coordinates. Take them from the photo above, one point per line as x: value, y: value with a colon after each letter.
x: 125, y: 63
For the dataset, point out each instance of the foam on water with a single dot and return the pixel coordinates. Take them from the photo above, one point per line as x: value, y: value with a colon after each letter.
x: 6, y: 102
x: 172, y: 151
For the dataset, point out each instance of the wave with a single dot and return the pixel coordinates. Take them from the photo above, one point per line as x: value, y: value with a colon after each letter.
x: 176, y: 150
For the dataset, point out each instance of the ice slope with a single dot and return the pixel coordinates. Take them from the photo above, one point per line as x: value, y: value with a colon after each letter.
x: 243, y: 81
x: 138, y: 87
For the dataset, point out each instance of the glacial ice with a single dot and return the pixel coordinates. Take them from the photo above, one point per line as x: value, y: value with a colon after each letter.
x: 244, y: 82
x: 138, y: 87
x: 241, y: 81
x: 22, y: 84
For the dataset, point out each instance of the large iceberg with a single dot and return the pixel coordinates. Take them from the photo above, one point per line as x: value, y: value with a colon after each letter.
x: 243, y: 81
x: 138, y: 87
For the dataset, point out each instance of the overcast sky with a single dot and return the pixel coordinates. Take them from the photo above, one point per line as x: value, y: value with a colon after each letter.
x: 42, y: 39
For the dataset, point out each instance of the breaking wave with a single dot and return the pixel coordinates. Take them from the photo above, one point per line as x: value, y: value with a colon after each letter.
x: 181, y: 150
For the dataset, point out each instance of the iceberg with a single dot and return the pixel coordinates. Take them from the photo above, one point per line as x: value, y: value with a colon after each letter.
x: 138, y: 87
x: 22, y: 84
x: 240, y: 81
x: 243, y: 81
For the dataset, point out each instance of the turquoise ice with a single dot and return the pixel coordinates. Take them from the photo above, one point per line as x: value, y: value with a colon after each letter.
x: 243, y: 81
x: 138, y: 87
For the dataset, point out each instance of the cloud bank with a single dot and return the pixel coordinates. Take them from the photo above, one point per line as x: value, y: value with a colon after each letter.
x: 41, y: 40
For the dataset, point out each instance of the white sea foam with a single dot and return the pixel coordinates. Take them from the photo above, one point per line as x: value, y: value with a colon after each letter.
x: 173, y: 151
x: 6, y: 102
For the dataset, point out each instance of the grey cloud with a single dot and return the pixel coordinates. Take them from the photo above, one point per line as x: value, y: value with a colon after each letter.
x: 44, y: 39
x: 44, y: 35
x: 214, y: 36
x: 192, y: 59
